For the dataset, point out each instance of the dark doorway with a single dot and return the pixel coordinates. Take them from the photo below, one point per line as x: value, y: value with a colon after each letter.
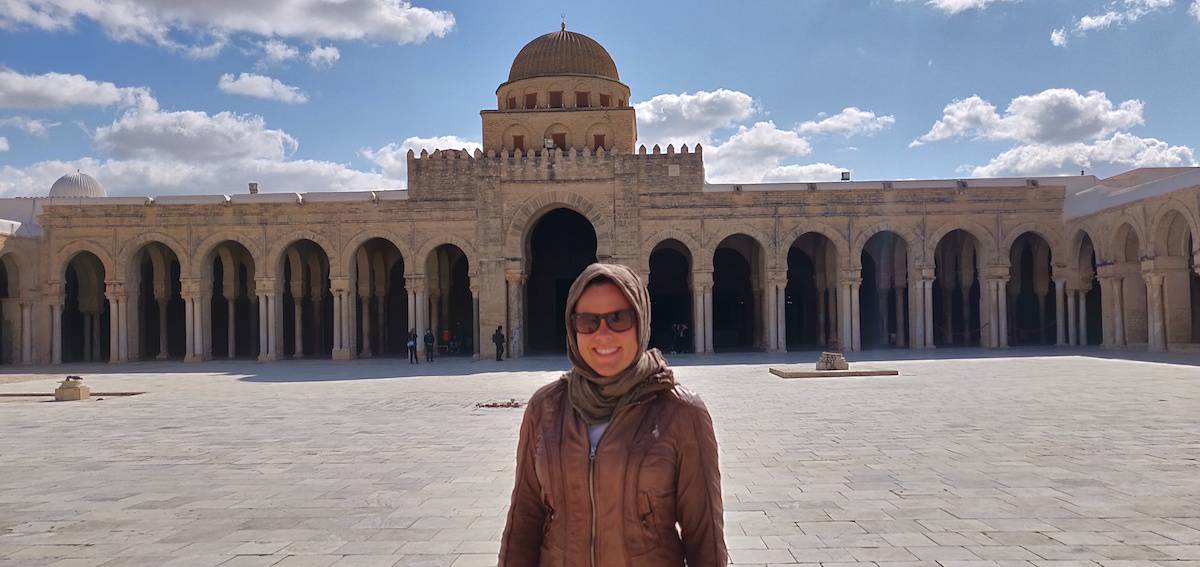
x: 561, y: 245
x: 670, y: 298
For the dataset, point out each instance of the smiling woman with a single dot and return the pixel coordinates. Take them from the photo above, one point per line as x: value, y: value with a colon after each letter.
x: 646, y: 443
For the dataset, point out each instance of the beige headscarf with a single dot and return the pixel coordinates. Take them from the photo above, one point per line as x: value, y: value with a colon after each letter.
x: 596, y: 397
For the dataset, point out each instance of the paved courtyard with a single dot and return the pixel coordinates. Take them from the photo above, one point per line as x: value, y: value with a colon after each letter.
x: 1051, y: 460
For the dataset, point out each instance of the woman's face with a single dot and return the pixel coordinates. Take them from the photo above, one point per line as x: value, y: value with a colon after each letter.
x: 608, y: 352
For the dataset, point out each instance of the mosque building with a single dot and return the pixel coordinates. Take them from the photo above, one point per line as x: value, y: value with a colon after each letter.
x: 494, y: 237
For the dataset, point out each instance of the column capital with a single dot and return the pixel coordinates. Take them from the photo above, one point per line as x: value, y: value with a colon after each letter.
x: 339, y: 284
x: 515, y: 277
x: 1154, y: 278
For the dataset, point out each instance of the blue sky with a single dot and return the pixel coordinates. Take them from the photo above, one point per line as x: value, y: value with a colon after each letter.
x: 136, y: 93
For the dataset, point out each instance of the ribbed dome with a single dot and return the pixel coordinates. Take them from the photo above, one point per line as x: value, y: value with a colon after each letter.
x: 77, y: 185
x: 563, y: 53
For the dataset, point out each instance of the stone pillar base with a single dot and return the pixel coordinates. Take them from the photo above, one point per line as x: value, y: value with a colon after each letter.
x: 193, y: 358
x: 268, y: 357
x: 342, y: 354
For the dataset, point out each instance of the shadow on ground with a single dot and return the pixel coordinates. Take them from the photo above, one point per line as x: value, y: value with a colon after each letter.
x: 324, y: 370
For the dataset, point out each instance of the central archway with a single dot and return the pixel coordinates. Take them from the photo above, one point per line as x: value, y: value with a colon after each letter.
x: 671, y: 325
x: 956, y: 290
x: 738, y: 272
x: 561, y: 245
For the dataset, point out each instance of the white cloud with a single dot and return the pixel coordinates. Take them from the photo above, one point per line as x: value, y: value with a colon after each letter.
x: 752, y: 154
x: 688, y: 118
x: 193, y: 137
x: 850, y: 121
x: 60, y: 90
x: 393, y: 158
x: 260, y: 86
x: 1058, y: 37
x: 3, y: 144
x: 807, y: 172
x: 202, y: 29
x: 952, y: 7
x: 1053, y: 116
x: 1117, y: 13
x: 324, y: 56
x: 1195, y: 9
x: 166, y: 177
x: 276, y: 52
x: 30, y: 126
x: 1106, y: 156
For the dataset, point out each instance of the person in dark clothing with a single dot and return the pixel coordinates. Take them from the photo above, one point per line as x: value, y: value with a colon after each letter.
x: 498, y: 340
x: 412, y: 347
x: 429, y: 344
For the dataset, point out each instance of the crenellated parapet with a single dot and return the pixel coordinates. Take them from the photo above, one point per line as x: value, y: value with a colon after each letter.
x: 460, y: 174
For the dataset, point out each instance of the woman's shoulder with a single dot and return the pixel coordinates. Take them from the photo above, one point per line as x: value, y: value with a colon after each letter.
x: 550, y: 391
x: 685, y: 398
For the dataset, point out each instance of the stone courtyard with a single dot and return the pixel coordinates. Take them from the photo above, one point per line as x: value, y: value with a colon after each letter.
x: 1046, y: 458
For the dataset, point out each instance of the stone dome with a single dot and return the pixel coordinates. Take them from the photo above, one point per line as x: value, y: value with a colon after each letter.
x: 77, y: 185
x: 563, y: 53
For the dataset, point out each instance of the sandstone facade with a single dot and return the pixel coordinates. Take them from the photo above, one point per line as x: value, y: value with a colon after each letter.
x: 913, y: 264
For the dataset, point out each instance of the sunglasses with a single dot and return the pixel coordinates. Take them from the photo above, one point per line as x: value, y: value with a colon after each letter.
x: 617, y: 321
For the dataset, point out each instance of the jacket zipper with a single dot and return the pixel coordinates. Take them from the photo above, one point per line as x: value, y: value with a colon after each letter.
x: 592, y: 498
x: 592, y: 480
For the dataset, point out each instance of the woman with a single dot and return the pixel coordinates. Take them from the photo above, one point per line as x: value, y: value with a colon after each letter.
x: 615, y: 453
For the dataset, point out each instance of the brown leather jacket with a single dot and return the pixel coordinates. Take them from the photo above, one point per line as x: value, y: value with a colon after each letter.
x: 656, y: 465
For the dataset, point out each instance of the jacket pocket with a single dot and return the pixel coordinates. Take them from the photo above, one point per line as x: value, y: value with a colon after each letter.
x: 647, y: 519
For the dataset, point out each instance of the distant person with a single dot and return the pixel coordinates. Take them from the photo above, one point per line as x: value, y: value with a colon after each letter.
x: 448, y: 340
x: 498, y: 340
x: 412, y: 347
x: 428, y: 344
x: 681, y: 330
x: 651, y: 491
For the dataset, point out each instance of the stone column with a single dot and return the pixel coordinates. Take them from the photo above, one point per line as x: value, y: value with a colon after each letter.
x: 298, y: 317
x: 26, y: 333
x: 231, y: 307
x: 1072, y: 334
x: 1119, y: 308
x: 56, y: 331
x: 318, y: 319
x: 901, y: 321
x: 516, y: 313
x: 474, y: 320
x: 846, y: 340
x: 1002, y: 310
x: 422, y: 318
x: 927, y: 305
x: 708, y: 318
x: 1155, y: 317
x: 264, y: 344
x: 781, y: 314
x: 189, y: 323
x: 435, y: 316
x: 1060, y: 318
x: 94, y: 329
x: 855, y: 315
x: 338, y: 345
x: 697, y: 315
x: 993, y: 291
x: 1083, y: 327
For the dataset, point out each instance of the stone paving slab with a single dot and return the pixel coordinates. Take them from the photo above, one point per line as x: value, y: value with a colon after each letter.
x: 1039, y: 459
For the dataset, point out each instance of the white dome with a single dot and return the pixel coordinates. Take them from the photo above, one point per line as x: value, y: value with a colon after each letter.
x: 77, y: 185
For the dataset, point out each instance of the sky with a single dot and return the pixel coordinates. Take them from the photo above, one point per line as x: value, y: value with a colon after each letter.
x: 158, y: 97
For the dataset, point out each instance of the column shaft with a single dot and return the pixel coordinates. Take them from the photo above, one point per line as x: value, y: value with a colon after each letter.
x: 708, y: 322
x: 1072, y: 319
x: 231, y: 339
x: 1081, y: 304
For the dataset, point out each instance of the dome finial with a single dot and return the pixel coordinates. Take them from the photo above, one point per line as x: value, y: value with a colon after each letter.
x: 564, y: 22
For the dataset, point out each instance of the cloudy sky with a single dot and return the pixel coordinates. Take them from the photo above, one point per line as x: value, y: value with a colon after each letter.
x: 162, y: 97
